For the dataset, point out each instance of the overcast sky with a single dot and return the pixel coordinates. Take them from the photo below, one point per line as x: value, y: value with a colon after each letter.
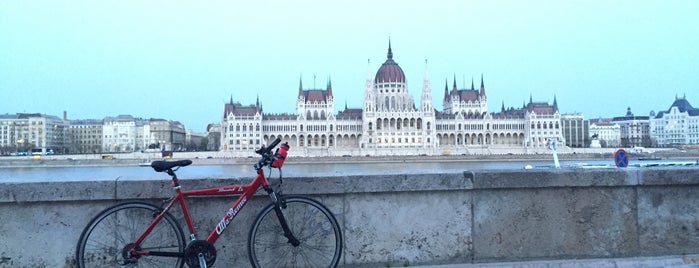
x: 182, y: 60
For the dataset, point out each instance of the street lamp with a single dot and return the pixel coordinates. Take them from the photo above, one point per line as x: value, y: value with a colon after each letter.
x: 20, y: 142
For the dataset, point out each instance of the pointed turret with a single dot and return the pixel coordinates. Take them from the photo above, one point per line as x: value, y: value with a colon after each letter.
x: 530, y: 98
x: 503, y: 106
x: 555, y: 103
x: 472, y: 87
x: 231, y: 102
x: 300, y: 86
x: 446, y: 89
x: 453, y: 87
x: 426, y: 97
x: 482, y: 93
x: 257, y: 103
x: 330, y: 87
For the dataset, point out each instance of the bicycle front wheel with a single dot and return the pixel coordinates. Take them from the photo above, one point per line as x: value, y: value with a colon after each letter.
x: 105, y: 240
x: 310, y: 222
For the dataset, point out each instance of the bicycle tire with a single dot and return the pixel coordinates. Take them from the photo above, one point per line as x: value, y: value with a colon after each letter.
x: 103, y: 240
x: 310, y: 221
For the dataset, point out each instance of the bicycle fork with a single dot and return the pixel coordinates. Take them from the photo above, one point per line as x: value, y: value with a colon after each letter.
x: 279, y: 206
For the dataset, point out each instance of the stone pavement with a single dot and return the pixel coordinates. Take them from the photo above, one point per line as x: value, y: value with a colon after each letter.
x: 685, y: 261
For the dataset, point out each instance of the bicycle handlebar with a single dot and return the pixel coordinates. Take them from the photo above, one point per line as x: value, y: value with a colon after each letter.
x: 269, y: 148
x: 266, y: 153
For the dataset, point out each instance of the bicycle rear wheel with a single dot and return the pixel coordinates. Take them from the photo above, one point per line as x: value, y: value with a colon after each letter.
x: 107, y: 236
x: 312, y: 224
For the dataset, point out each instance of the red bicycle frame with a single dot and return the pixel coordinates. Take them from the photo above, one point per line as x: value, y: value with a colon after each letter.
x: 245, y: 191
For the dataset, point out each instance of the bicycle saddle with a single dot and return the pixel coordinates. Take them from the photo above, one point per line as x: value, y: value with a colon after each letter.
x: 160, y: 166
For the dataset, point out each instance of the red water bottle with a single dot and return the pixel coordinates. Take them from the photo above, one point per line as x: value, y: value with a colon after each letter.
x: 280, y: 155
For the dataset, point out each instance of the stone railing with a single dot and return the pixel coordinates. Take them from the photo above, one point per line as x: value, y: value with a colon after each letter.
x: 401, y: 220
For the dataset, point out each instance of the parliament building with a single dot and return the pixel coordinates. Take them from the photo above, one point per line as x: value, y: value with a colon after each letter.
x: 390, y: 122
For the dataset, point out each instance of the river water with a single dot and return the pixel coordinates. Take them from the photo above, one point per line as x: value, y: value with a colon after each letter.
x: 81, y: 173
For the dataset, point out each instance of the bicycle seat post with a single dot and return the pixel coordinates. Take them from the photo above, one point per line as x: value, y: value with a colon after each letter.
x: 175, y: 181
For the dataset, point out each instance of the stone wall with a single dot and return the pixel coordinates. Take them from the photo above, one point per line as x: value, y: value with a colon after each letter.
x: 399, y: 220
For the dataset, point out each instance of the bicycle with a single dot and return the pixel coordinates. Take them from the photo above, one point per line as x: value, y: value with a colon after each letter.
x: 292, y: 231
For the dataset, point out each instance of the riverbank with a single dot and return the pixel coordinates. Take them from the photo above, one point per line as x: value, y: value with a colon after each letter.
x: 216, y: 158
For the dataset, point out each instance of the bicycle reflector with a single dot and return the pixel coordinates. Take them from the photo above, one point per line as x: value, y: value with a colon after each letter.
x: 280, y: 156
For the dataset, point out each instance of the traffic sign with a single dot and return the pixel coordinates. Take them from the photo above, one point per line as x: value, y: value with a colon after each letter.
x: 621, y: 158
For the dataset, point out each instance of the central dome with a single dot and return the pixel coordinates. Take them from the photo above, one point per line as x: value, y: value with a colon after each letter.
x: 389, y: 71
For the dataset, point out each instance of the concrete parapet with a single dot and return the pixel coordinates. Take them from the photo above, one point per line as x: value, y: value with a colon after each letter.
x: 401, y: 220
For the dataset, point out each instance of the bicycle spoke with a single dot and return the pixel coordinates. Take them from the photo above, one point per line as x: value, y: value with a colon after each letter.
x: 104, y: 240
x: 311, y: 223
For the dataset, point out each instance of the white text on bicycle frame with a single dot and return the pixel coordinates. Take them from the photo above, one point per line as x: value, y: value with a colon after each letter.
x: 229, y: 216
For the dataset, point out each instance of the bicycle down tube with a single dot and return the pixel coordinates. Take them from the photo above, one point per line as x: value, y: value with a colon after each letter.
x: 245, y: 191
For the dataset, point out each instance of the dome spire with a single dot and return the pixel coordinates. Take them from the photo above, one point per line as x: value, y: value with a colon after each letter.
x: 390, y: 52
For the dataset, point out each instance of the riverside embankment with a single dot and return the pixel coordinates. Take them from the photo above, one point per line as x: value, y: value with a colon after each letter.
x: 401, y: 220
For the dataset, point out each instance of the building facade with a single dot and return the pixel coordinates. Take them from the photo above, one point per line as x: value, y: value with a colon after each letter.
x: 678, y: 125
x: 390, y: 122
x: 634, y: 130
x: 608, y: 134
x: 167, y: 135
x: 86, y: 136
x: 576, y: 130
x: 37, y: 133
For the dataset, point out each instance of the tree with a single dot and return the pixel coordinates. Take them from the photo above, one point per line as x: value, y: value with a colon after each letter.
x: 204, y: 144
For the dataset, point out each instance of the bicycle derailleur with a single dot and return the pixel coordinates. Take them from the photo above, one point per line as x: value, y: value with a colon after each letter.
x: 196, y: 247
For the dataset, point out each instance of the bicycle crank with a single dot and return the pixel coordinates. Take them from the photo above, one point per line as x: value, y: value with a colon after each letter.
x: 196, y: 247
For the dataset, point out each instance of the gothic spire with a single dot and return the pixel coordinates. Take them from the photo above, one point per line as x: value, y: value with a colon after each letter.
x: 300, y: 86
x: 555, y: 103
x: 446, y: 89
x: 503, y: 106
x: 482, y: 86
x: 330, y: 87
x: 472, y: 87
x: 231, y: 103
x: 454, y: 84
